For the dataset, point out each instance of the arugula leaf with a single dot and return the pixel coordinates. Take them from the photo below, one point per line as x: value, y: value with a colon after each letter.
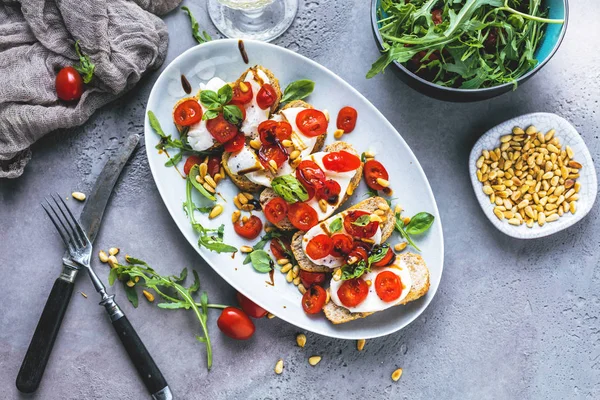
x: 85, y: 67
x: 262, y: 243
x: 298, y: 90
x: 191, y: 178
x: 261, y: 261
x: 156, y: 125
x: 336, y: 225
x: 214, y: 243
x: 200, y: 37
x: 399, y: 225
x: 233, y: 114
x: 363, y: 220
x: 196, y: 285
x: 420, y: 223
x: 174, y: 160
x: 289, y: 188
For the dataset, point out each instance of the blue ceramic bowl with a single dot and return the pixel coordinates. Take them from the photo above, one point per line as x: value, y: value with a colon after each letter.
x: 558, y: 9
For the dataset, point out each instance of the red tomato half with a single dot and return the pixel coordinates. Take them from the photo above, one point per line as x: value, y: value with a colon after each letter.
x: 311, y: 122
x: 341, y: 161
x: 234, y: 323
x: 330, y: 192
x: 266, y: 96
x: 187, y: 113
x: 387, y: 259
x: 388, y: 286
x: 68, y: 83
x: 310, y: 175
x: 280, y: 251
x: 353, y: 292
x: 271, y: 131
x: 373, y: 170
x: 346, y: 119
x: 312, y: 278
x: 276, y: 210
x: 236, y: 144
x: 271, y: 152
x: 242, y: 97
x: 319, y: 247
x: 342, y: 245
x: 190, y: 162
x: 250, y: 229
x: 365, y: 231
x: 314, y: 299
x: 302, y: 216
x: 214, y: 165
x: 220, y: 129
x: 250, y: 307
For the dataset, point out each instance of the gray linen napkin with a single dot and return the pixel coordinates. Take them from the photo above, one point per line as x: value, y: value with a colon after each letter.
x: 123, y: 39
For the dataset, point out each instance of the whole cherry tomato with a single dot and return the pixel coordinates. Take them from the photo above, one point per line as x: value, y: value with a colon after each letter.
x: 311, y: 122
x: 314, y: 299
x: 330, y: 192
x: 190, y: 162
x: 250, y: 307
x: 266, y: 96
x: 271, y: 131
x: 353, y: 292
x: 187, y: 112
x: 310, y: 175
x: 388, y: 286
x: 373, y: 170
x: 249, y: 229
x: 234, y: 323
x: 69, y: 85
x: 346, y: 119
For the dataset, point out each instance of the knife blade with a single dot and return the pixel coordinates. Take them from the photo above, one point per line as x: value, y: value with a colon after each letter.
x: 40, y: 347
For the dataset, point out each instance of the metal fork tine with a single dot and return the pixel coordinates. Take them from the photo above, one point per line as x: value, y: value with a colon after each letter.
x: 70, y: 242
x: 80, y: 232
x: 72, y: 233
x: 62, y: 235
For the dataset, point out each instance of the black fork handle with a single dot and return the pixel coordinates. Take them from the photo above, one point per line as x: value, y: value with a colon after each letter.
x: 40, y: 348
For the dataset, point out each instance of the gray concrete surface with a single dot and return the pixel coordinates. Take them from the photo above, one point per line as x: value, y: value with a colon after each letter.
x: 512, y: 319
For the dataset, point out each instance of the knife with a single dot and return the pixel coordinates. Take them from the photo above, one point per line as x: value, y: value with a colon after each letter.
x: 40, y: 347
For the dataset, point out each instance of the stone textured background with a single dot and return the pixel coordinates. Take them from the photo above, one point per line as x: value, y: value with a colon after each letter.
x: 512, y: 318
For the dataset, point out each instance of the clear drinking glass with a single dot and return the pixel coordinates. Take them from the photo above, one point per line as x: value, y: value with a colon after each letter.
x: 252, y: 19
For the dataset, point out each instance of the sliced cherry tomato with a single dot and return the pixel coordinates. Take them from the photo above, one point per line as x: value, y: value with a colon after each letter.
x: 358, y: 253
x: 330, y: 192
x: 68, y: 83
x: 373, y: 170
x: 214, y: 165
x: 266, y: 96
x: 302, y: 216
x: 353, y: 292
x: 346, y: 119
x: 241, y: 107
x: 236, y: 144
x: 341, y: 161
x: 310, y: 175
x: 342, y: 245
x: 190, y: 162
x: 271, y: 131
x: 436, y: 16
x: 271, y: 152
x: 250, y: 229
x: 276, y: 210
x: 312, y: 278
x: 280, y: 251
x: 319, y: 246
x: 314, y: 299
x: 220, y: 129
x: 234, y: 323
x: 388, y: 286
x: 350, y: 225
x: 250, y: 307
x: 187, y: 113
x: 242, y: 97
x: 311, y: 122
x: 387, y: 258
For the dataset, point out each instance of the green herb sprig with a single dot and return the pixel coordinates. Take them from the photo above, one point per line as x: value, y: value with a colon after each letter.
x: 201, y: 37
x: 418, y: 224
x: 216, y: 103
x: 85, y: 67
x: 361, y: 267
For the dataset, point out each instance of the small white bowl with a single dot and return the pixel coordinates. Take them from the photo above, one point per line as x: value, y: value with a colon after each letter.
x: 568, y: 135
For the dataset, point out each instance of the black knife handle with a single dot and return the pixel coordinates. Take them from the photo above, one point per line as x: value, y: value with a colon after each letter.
x: 141, y: 358
x: 38, y: 353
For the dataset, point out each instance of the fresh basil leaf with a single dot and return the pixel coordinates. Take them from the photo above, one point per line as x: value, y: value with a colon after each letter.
x: 204, y: 210
x: 131, y: 294
x: 174, y: 160
x: 232, y: 114
x: 225, y: 94
x: 399, y: 224
x: 210, y: 114
x: 354, y: 271
x: 209, y: 99
x: 192, y: 179
x: 200, y: 37
x: 378, y: 252
x: 363, y: 220
x: 298, y: 90
x: 336, y: 225
x: 289, y: 188
x: 420, y: 223
x: 261, y: 261
x: 85, y: 67
x: 262, y: 243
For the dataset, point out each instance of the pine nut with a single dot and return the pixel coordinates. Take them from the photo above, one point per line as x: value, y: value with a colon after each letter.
x: 283, y: 261
x: 375, y: 218
x: 216, y: 211
x: 400, y: 246
x: 243, y: 199
x: 552, y: 218
x: 314, y: 360
x: 296, y: 281
x: 202, y: 170
x: 301, y: 339
x: 255, y: 144
x: 199, y: 179
x: 301, y: 288
x: 338, y: 133
x: 244, y: 219
x: 406, y: 220
x: 279, y: 367
x: 235, y: 216
x: 273, y: 165
x: 113, y: 251
x: 323, y: 205
x: 102, y: 256
x: 149, y: 296
x: 130, y: 283
x: 287, y: 143
x: 246, y: 249
x: 294, y: 154
x: 78, y: 196
x: 383, y: 182
x: 208, y: 187
x: 337, y: 274
x: 112, y: 261
x: 360, y: 344
x: 237, y: 203
x: 349, y: 191
x: 286, y: 268
x: 289, y: 277
x: 396, y: 374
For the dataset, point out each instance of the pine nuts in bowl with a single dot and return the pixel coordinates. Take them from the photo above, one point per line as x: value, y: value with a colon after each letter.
x: 533, y: 175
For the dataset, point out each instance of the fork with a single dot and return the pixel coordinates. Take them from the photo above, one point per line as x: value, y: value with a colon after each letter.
x: 80, y: 251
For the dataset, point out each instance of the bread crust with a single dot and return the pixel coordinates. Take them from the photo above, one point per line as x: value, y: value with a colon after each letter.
x: 421, y: 282
x: 371, y: 204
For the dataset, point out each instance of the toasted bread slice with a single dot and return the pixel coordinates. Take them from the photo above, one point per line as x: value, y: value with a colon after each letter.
x: 246, y: 184
x: 273, y: 82
x: 269, y: 193
x: 420, y: 285
x: 371, y: 204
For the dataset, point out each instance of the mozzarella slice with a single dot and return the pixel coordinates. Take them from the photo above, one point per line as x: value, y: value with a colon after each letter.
x: 254, y: 114
x: 323, y: 228
x: 373, y: 302
x: 199, y: 137
x: 308, y: 143
x: 245, y: 162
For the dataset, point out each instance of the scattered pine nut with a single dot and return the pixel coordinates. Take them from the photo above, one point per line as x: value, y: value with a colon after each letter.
x: 301, y: 288
x: 400, y: 246
x: 130, y: 283
x: 216, y: 211
x: 103, y: 256
x: 283, y: 261
x: 314, y: 360
x: 235, y: 216
x: 301, y: 339
x: 279, y: 367
x: 396, y: 374
x: 112, y: 261
x: 149, y: 296
x: 383, y: 182
x: 270, y: 316
x: 113, y: 251
x: 83, y: 294
x: 243, y: 87
x: 202, y: 170
x: 338, y: 134
x: 286, y: 268
x: 246, y: 249
x: 78, y: 196
x: 360, y: 344
x: 255, y: 144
